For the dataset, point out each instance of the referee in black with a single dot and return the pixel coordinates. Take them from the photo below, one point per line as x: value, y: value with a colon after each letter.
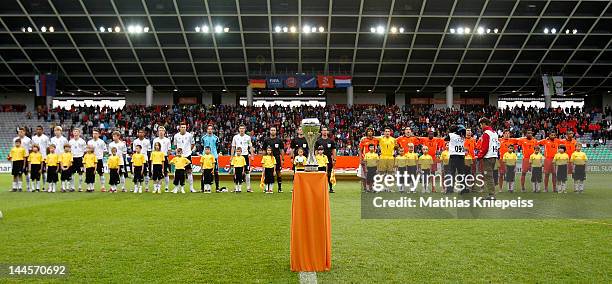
x: 278, y: 152
x: 299, y: 142
x: 329, y: 149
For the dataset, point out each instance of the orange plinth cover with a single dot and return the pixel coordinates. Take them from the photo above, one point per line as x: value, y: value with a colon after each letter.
x: 310, y: 223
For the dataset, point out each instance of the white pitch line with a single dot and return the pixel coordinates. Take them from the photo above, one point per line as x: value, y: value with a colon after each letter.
x: 308, y: 277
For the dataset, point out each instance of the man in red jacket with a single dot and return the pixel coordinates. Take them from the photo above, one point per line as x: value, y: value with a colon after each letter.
x: 488, y: 153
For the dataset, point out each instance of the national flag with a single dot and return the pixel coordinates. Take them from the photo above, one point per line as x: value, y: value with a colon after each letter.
x: 51, y: 85
x: 342, y: 81
x: 275, y: 82
x: 40, y: 81
x: 308, y: 82
x: 553, y: 85
x: 325, y: 81
x: 291, y: 82
x: 257, y: 83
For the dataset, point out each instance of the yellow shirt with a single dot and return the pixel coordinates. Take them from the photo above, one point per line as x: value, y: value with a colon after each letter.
x: 52, y: 160
x: 322, y: 160
x: 445, y: 157
x: 425, y: 162
x: 180, y: 162
x: 371, y: 159
x: 35, y: 158
x: 66, y: 159
x: 387, y: 146
x: 579, y: 158
x: 90, y: 160
x: 412, y: 158
x: 208, y: 161
x: 536, y: 160
x: 238, y: 161
x: 268, y: 161
x: 113, y: 162
x: 299, y: 162
x: 401, y: 161
x: 157, y: 158
x: 510, y: 158
x: 17, y: 154
x: 138, y: 159
x: 561, y: 159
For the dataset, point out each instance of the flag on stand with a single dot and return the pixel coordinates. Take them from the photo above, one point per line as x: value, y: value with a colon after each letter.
x: 257, y: 83
x: 325, y: 81
x: 342, y: 81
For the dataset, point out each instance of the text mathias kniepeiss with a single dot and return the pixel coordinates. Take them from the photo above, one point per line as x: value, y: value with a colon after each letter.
x: 447, y: 202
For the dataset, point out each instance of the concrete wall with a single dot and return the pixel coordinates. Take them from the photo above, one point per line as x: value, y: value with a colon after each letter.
x: 158, y: 99
x: 607, y: 100
x: 26, y: 99
x: 358, y: 98
x: 400, y: 99
x: 493, y: 100
x: 228, y: 99
x: 207, y: 99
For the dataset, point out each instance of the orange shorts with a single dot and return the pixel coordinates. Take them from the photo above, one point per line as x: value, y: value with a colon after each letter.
x: 502, y: 167
x: 570, y: 168
x: 548, y: 166
x: 526, y: 166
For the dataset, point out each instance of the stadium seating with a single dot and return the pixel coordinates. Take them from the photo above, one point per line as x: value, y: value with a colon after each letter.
x: 347, y: 124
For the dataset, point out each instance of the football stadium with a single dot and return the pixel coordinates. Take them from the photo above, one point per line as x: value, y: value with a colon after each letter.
x: 294, y: 141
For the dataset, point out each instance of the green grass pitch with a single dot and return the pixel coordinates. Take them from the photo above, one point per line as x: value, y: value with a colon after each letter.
x: 126, y: 237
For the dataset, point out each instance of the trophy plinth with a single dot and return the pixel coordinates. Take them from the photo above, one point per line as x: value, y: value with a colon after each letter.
x: 311, y: 128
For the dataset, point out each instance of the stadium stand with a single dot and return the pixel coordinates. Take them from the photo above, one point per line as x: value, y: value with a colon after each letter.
x: 346, y: 124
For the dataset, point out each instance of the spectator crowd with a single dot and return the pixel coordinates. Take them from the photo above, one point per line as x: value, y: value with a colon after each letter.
x: 346, y: 124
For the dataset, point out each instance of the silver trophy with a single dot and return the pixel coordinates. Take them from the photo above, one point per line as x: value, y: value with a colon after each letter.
x: 311, y: 128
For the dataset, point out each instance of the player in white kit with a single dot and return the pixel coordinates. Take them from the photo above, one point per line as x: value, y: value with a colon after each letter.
x: 77, y: 147
x: 243, y: 141
x: 165, y: 144
x: 42, y: 141
x: 99, y: 147
x: 145, y: 149
x: 186, y: 142
x: 26, y: 143
x: 121, y: 152
x: 58, y: 140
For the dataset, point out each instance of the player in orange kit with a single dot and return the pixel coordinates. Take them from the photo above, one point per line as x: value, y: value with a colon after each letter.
x: 364, y: 147
x: 432, y: 143
x: 503, y: 148
x: 470, y: 147
x: 528, y: 143
x: 570, y: 146
x: 407, y: 138
x: 551, y: 144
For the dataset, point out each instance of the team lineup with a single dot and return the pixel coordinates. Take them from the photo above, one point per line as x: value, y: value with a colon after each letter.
x: 46, y: 161
x: 460, y: 153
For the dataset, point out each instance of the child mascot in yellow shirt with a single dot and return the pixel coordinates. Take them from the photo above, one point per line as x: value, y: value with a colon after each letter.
x: 35, y: 161
x: 238, y: 164
x: 17, y: 156
x: 269, y: 166
x: 52, y: 162
x: 579, y: 160
x: 509, y: 160
x: 536, y: 161
x: 90, y: 161
x: 180, y: 164
x: 208, y: 166
x: 560, y: 161
x: 371, y: 162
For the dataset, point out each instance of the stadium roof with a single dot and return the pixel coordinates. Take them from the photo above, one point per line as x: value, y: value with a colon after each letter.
x: 387, y: 45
